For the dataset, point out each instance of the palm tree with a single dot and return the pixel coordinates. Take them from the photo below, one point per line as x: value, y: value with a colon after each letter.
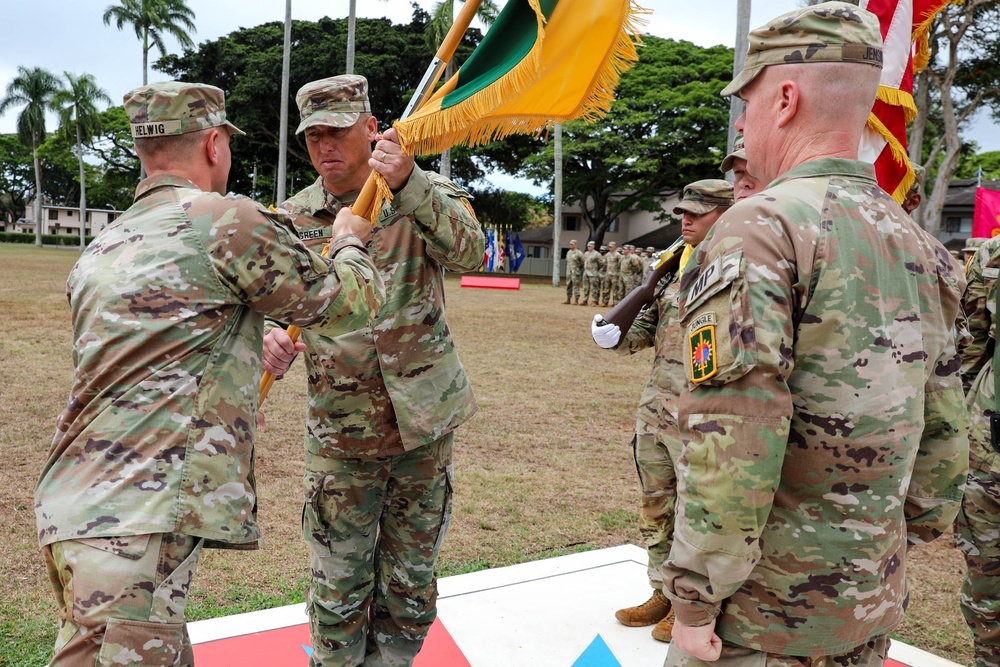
x: 34, y: 89
x: 151, y: 19
x: 442, y: 18
x: 77, y: 109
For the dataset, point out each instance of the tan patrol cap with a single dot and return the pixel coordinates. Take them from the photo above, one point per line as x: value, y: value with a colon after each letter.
x: 337, y: 101
x: 739, y: 153
x: 573, y: 242
x: 649, y: 248
x: 827, y: 32
x: 703, y: 196
x: 174, y: 107
x: 973, y: 244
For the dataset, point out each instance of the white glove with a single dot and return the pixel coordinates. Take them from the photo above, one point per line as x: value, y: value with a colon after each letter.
x: 605, y: 334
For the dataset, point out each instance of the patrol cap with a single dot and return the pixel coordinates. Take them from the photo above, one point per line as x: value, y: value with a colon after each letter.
x: 604, y: 247
x: 337, y: 101
x: 612, y: 244
x: 827, y: 32
x: 919, y: 174
x: 973, y: 244
x: 573, y: 242
x: 174, y: 107
x: 590, y: 243
x: 649, y: 248
x: 739, y: 153
x: 703, y: 196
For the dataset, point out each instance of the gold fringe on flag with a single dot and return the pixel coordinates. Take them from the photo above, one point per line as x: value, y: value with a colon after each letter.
x: 481, y: 118
x: 383, y: 196
x: 922, y: 54
x: 898, y: 98
x: 898, y: 154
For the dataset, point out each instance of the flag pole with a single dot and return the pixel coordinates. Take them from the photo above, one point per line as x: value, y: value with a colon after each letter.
x: 366, y: 197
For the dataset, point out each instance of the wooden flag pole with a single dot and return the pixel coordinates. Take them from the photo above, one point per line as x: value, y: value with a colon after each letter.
x: 363, y: 204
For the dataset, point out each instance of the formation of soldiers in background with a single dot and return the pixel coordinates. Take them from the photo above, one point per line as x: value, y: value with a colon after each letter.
x: 607, y: 275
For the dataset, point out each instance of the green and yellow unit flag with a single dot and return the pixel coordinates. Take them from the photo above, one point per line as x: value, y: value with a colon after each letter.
x: 541, y: 62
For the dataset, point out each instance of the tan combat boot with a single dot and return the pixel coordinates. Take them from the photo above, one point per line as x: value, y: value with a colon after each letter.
x: 664, y: 630
x: 652, y: 611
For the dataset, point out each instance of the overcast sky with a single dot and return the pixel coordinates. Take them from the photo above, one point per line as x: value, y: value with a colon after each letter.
x: 69, y: 35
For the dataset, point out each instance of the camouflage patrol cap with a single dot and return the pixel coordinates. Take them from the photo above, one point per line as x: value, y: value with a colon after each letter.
x: 919, y: 174
x: 973, y: 244
x: 175, y: 107
x: 604, y: 247
x: 612, y: 244
x: 590, y: 243
x: 573, y: 242
x: 739, y: 153
x: 827, y: 32
x: 649, y: 248
x: 337, y: 101
x: 703, y: 196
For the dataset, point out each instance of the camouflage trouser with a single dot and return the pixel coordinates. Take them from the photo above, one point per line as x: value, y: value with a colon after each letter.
x: 610, y: 289
x: 870, y: 654
x: 977, y: 533
x: 374, y: 529
x: 121, y: 599
x: 654, y: 461
x: 629, y: 283
x: 573, y: 279
x: 591, y: 288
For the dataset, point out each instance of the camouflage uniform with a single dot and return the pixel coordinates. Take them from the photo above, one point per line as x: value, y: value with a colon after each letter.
x: 153, y: 457
x: 632, y: 272
x: 796, y: 537
x: 592, y: 263
x: 823, y: 424
x: 574, y: 274
x: 383, y: 406
x: 978, y: 524
x: 647, y: 261
x: 611, y: 285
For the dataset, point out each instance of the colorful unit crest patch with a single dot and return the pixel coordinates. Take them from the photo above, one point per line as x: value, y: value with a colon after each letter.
x: 701, y: 344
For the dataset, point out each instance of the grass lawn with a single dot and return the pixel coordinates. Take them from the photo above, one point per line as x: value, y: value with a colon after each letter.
x: 544, y: 469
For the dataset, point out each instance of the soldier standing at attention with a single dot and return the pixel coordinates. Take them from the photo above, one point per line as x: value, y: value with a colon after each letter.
x: 657, y: 442
x: 610, y: 287
x: 384, y: 402
x: 574, y: 273
x: 978, y: 525
x: 824, y: 426
x: 647, y: 261
x: 152, y: 460
x: 592, y: 262
x: 631, y: 270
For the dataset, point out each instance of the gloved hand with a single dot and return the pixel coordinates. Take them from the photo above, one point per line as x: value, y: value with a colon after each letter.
x: 605, y: 334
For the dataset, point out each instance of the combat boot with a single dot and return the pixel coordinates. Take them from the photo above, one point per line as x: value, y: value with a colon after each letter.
x: 664, y: 630
x: 565, y: 302
x: 652, y: 611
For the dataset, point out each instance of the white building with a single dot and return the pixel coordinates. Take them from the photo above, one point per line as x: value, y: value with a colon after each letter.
x: 66, y: 220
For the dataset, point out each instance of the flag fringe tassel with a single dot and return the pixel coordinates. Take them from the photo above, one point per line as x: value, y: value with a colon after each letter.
x: 922, y: 54
x: 463, y: 123
x: 898, y: 98
x: 898, y: 154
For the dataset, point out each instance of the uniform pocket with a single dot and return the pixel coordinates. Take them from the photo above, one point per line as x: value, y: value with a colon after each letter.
x: 142, y: 643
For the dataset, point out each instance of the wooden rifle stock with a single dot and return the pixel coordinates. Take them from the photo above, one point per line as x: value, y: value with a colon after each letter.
x: 626, y: 310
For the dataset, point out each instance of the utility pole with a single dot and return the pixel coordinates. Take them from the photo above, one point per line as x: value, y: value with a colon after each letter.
x: 736, y: 105
x: 283, y: 131
x: 557, y: 217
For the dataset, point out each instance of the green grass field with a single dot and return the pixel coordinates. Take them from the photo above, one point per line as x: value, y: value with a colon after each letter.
x: 544, y: 469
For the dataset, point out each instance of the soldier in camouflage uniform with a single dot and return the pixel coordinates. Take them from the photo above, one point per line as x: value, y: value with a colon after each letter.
x: 610, y: 285
x: 153, y: 458
x: 592, y: 263
x: 384, y: 402
x: 657, y: 442
x: 978, y: 525
x: 574, y: 274
x: 823, y: 423
x: 744, y: 183
x: 647, y: 260
x: 631, y: 270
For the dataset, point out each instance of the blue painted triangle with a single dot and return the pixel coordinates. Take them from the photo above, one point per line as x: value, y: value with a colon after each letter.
x: 597, y: 655
x: 307, y: 649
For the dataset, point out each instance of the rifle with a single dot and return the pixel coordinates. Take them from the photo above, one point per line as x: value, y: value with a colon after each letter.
x: 626, y: 310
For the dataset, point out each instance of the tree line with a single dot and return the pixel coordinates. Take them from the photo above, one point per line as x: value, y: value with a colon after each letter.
x: 667, y: 127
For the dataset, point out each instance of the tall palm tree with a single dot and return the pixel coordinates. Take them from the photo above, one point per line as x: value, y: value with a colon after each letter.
x: 77, y: 109
x: 442, y: 18
x: 151, y: 19
x: 34, y: 89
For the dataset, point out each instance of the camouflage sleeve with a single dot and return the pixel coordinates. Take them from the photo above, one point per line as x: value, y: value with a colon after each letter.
x: 445, y: 220
x: 258, y: 255
x: 642, y: 333
x: 978, y: 318
x: 737, y: 417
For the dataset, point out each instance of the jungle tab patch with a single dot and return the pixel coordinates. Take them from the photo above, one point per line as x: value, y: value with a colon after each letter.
x: 702, y: 358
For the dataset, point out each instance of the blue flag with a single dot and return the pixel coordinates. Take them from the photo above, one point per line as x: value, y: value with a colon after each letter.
x: 517, y: 256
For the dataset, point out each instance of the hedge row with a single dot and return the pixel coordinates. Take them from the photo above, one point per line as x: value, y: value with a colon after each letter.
x: 47, y: 239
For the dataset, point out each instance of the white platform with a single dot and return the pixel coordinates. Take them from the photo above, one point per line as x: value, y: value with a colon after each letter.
x: 546, y: 613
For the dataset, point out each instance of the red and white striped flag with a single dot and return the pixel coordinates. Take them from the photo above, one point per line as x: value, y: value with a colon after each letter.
x: 905, y: 24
